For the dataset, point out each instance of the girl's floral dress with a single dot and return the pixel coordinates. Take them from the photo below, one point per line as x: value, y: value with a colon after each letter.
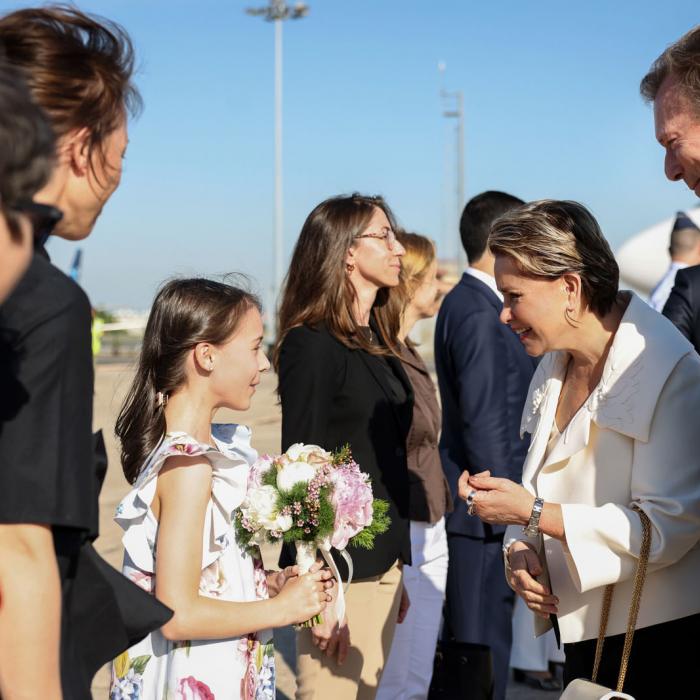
x: 223, y: 669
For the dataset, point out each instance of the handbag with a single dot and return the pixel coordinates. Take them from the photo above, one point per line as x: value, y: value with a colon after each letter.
x: 583, y: 689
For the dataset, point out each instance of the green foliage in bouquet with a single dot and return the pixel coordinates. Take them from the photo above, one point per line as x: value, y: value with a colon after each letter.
x: 380, y: 524
x: 314, y: 520
x: 342, y: 456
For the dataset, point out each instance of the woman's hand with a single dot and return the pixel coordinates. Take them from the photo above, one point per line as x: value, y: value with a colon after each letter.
x: 463, y: 487
x: 332, y: 636
x: 494, y: 500
x: 525, y: 565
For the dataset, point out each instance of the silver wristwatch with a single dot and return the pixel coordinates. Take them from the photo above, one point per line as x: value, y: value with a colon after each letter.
x: 532, y: 529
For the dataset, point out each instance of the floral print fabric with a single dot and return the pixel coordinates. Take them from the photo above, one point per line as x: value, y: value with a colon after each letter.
x: 237, y: 668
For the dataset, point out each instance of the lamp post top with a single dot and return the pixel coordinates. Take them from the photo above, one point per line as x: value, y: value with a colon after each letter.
x: 279, y: 9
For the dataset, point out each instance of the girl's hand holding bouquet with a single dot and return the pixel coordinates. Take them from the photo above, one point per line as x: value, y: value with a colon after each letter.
x: 303, y: 596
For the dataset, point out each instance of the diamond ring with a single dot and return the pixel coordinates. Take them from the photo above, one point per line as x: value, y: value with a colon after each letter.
x: 470, y: 502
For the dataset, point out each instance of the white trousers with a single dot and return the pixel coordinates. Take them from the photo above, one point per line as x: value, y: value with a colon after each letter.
x: 530, y: 653
x: 409, y: 669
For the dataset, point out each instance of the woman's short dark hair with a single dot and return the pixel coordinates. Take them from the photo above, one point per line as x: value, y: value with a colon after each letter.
x: 77, y: 67
x: 551, y: 238
x: 26, y: 146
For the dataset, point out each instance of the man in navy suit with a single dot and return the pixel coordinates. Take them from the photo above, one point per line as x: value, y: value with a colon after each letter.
x: 483, y: 374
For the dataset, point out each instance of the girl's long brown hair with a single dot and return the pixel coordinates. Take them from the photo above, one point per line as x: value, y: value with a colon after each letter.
x: 185, y: 312
x: 317, y: 288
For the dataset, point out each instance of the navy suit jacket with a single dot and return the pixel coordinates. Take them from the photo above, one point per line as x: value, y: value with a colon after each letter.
x: 483, y: 374
x: 683, y: 305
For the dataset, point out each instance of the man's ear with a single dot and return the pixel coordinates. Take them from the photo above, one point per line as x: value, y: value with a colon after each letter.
x: 77, y: 148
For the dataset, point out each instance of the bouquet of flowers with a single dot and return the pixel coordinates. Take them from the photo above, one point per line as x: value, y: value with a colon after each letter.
x: 314, y: 499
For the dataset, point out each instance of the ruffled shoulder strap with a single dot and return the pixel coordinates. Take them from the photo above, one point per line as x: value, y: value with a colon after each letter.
x: 230, y: 466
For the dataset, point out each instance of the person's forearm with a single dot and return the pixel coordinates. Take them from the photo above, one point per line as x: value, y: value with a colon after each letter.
x: 30, y: 614
x: 209, y: 618
x: 552, y: 521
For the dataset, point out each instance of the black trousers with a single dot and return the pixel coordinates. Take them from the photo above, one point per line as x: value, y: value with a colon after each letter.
x: 479, y: 610
x: 662, y: 664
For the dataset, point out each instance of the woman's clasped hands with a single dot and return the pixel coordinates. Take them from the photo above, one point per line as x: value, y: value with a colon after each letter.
x: 503, y: 502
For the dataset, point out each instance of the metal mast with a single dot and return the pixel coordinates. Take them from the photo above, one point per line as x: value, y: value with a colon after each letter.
x: 277, y: 11
x: 455, y: 99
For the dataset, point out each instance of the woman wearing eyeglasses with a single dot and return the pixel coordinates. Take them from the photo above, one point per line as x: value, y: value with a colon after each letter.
x: 78, y: 71
x: 340, y: 381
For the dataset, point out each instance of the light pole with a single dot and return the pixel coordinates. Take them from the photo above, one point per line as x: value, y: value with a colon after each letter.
x: 277, y: 11
x: 456, y: 98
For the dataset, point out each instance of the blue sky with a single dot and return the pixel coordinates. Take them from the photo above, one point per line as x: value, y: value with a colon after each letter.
x: 551, y: 101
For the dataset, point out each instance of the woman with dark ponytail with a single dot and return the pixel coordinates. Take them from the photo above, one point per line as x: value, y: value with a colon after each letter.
x: 202, y: 350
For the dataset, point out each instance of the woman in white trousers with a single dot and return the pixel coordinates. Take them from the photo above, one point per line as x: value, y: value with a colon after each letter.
x: 409, y: 669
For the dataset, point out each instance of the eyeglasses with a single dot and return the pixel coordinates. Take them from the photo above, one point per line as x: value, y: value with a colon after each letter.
x: 43, y: 218
x: 388, y: 236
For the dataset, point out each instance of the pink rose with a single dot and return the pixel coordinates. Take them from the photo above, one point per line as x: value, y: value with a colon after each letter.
x: 352, y: 500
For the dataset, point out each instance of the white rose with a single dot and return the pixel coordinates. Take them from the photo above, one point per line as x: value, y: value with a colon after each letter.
x: 301, y: 452
x: 260, y: 507
x: 294, y: 473
x: 283, y: 523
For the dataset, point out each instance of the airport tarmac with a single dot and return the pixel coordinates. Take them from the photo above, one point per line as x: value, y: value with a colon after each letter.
x: 111, y: 384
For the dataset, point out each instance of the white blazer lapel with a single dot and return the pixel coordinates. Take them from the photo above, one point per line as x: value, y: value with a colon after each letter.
x: 540, y: 409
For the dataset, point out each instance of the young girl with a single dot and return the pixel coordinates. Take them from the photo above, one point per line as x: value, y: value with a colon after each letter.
x: 202, y: 350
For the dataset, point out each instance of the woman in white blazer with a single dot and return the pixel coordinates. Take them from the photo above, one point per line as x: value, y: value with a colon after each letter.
x: 614, y: 412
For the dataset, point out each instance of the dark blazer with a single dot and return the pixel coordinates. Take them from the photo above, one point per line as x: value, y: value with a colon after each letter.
x: 483, y: 375
x: 683, y: 305
x: 332, y: 395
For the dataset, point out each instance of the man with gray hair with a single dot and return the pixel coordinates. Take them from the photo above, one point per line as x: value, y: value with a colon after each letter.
x: 673, y: 85
x: 684, y: 249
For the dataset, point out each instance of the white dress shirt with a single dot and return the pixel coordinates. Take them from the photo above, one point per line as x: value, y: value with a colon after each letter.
x: 484, y: 277
x: 662, y: 291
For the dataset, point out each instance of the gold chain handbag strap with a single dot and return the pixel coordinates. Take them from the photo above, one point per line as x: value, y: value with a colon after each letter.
x: 634, y: 606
